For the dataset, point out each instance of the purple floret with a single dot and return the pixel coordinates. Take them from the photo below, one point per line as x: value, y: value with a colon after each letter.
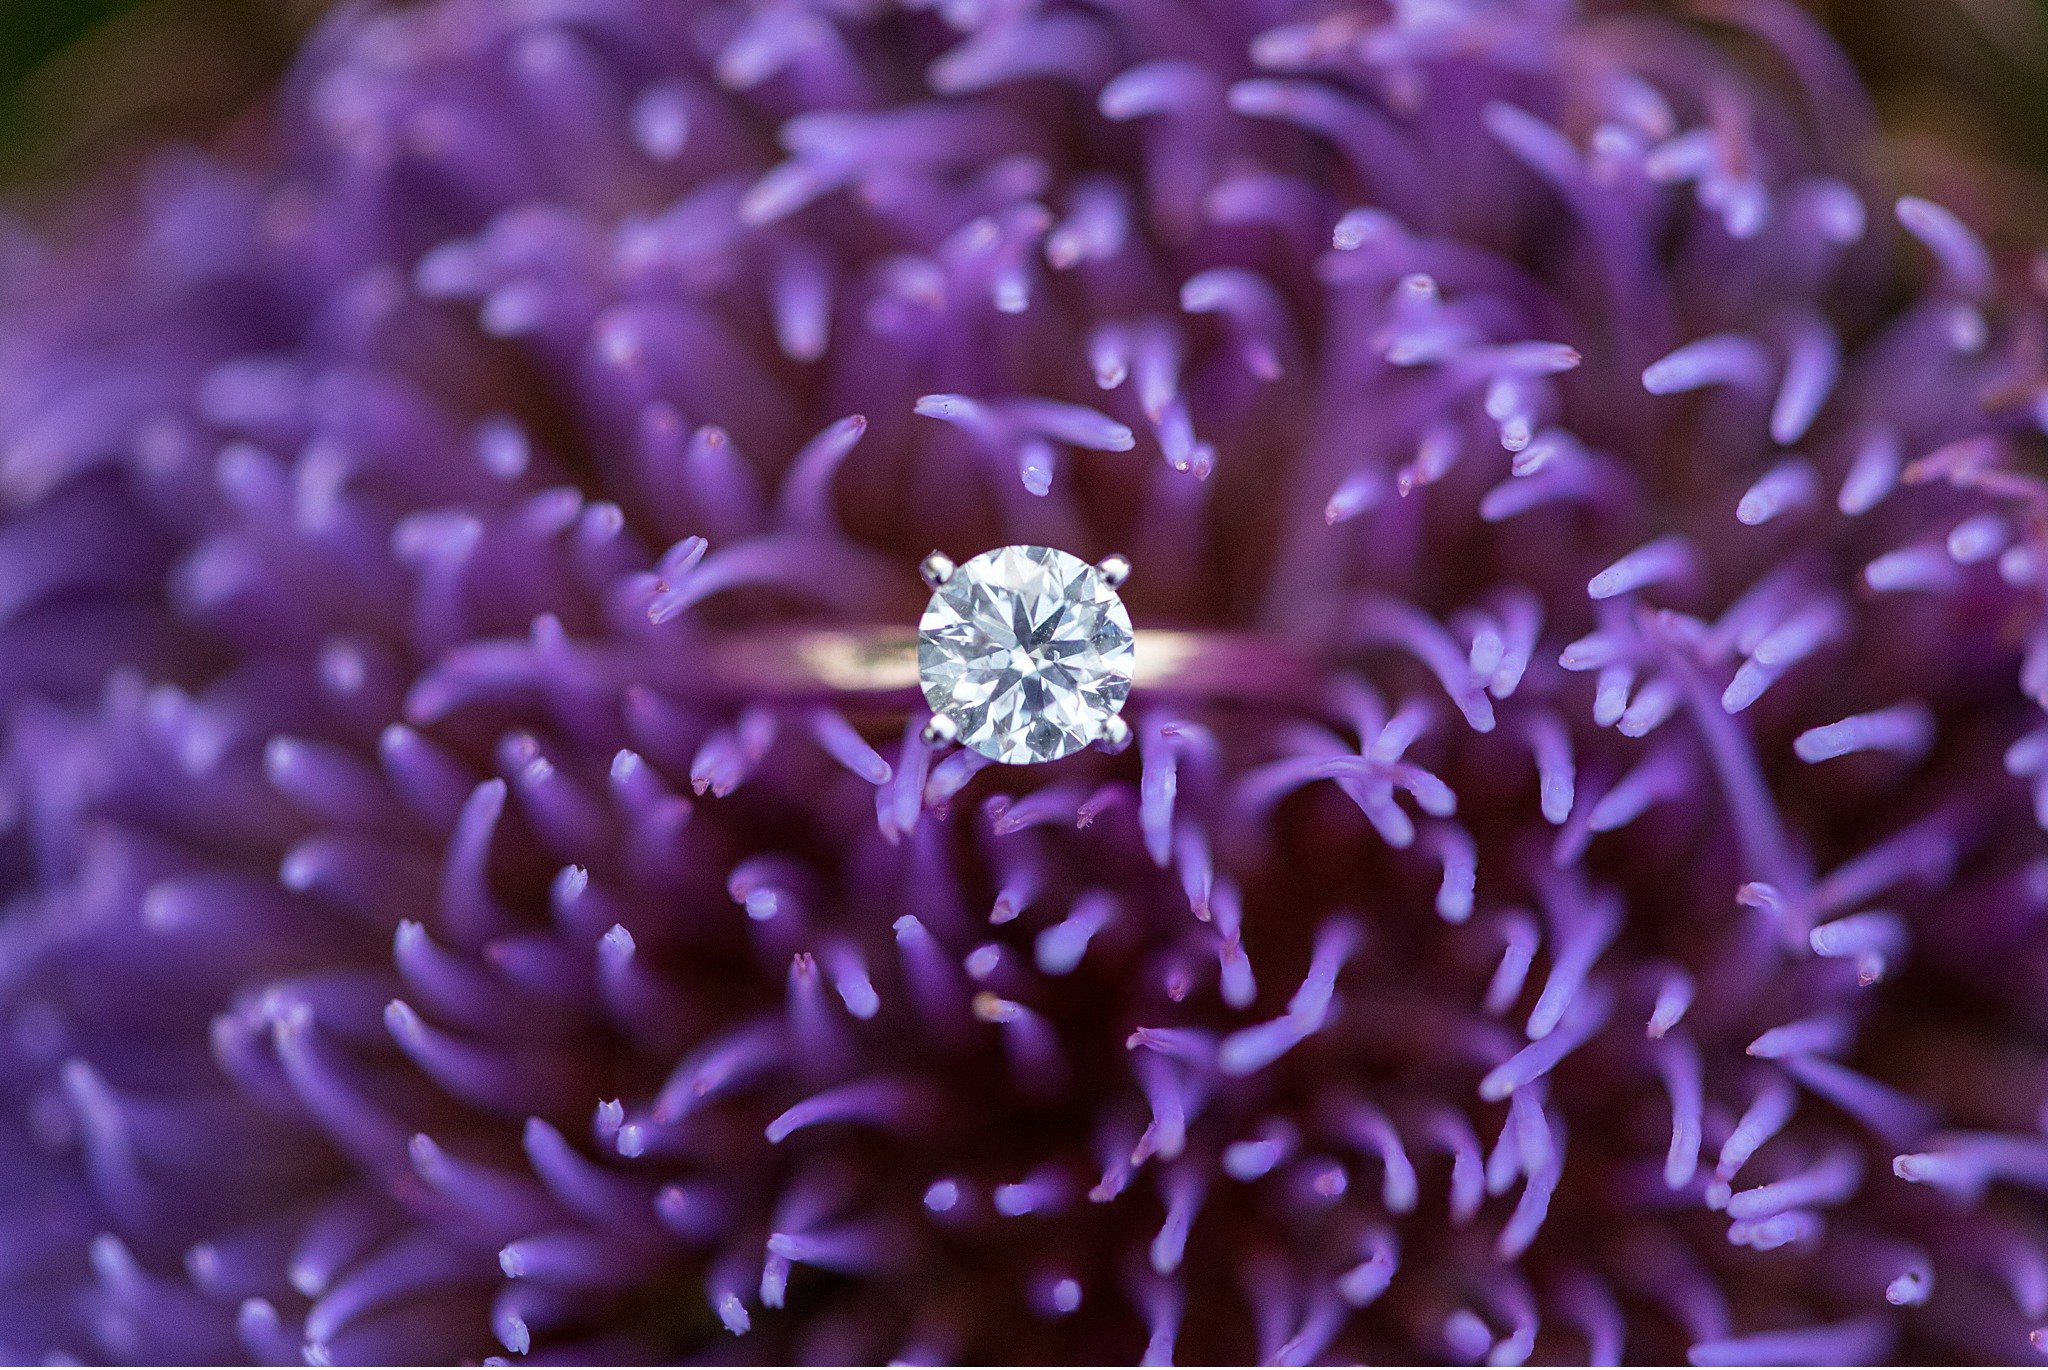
x: 1636, y: 955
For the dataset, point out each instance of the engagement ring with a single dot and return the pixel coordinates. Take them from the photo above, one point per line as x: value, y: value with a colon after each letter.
x: 1024, y: 654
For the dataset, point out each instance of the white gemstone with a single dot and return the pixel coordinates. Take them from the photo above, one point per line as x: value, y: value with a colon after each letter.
x: 1028, y: 650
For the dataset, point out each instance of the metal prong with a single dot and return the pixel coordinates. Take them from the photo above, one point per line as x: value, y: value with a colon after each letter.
x: 940, y: 731
x: 936, y: 569
x: 1116, y: 734
x: 1115, y: 569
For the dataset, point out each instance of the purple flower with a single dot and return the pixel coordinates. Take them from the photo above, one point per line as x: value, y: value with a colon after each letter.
x: 1639, y: 955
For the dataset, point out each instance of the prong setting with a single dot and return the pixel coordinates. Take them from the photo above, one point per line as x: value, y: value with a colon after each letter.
x: 1116, y: 734
x: 936, y: 569
x: 940, y: 731
x: 1114, y: 569
x: 1023, y: 653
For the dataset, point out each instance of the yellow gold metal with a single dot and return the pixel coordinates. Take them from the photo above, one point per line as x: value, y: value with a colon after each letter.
x: 880, y: 663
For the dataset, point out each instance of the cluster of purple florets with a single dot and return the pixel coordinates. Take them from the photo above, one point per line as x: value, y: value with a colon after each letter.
x: 1637, y: 955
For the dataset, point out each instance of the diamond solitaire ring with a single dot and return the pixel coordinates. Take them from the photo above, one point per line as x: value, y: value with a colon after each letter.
x: 1023, y: 654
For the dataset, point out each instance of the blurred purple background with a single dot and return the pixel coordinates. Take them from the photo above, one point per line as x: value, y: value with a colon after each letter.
x: 85, y: 80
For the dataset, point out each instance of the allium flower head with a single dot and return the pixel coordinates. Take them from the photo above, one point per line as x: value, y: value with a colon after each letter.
x: 1637, y: 954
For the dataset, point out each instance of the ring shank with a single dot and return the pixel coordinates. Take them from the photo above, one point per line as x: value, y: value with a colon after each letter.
x: 878, y: 666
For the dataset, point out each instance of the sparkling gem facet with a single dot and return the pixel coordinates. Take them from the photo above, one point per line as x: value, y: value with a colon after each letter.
x: 1028, y: 650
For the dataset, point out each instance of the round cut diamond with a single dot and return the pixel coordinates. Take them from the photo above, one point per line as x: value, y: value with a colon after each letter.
x: 1028, y: 651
